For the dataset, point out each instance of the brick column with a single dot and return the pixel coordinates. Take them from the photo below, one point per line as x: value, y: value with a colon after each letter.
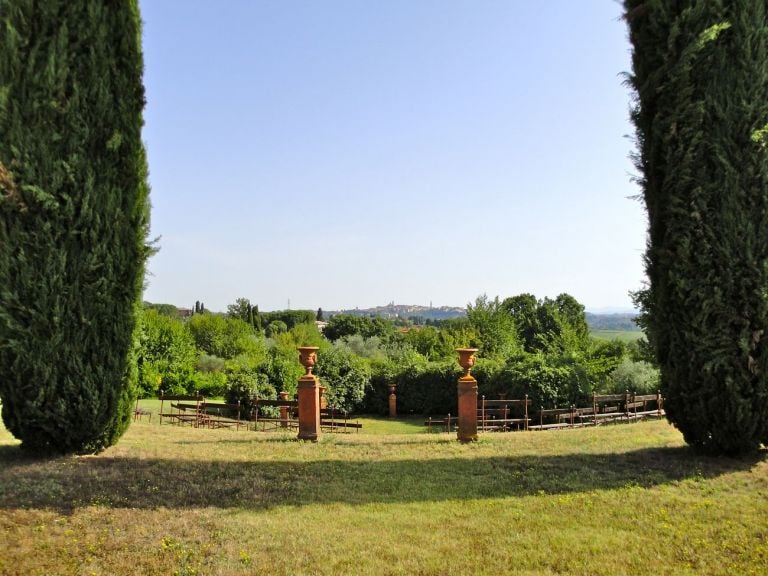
x: 392, y: 401
x: 309, y: 408
x: 467, y: 390
x: 309, y: 397
x: 467, y: 396
x: 284, y: 412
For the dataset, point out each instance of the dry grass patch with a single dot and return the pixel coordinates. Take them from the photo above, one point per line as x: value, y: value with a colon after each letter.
x: 611, y: 500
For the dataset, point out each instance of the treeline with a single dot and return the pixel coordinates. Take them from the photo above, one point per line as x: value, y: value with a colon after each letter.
x: 625, y: 322
x: 527, y: 346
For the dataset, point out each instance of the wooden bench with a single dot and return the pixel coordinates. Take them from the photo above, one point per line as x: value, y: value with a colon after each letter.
x: 337, y: 420
x: 184, y: 409
x: 220, y: 415
x: 554, y: 418
x: 288, y: 414
x: 638, y: 406
x: 608, y: 407
x: 449, y: 423
x: 138, y: 413
x: 503, y: 415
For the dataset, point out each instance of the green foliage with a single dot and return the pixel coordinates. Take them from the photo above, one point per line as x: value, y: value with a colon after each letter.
x: 209, y: 384
x: 165, y: 309
x: 74, y: 216
x: 209, y: 364
x: 497, y: 336
x: 246, y: 380
x: 346, y: 377
x: 241, y: 309
x: 291, y: 318
x: 276, y: 327
x: 283, y: 369
x: 548, y: 381
x: 347, y: 325
x: 432, y: 343
x: 363, y: 347
x: 639, y: 377
x: 167, y: 356
x: 700, y: 74
x: 401, y: 361
x: 429, y: 389
x: 223, y: 337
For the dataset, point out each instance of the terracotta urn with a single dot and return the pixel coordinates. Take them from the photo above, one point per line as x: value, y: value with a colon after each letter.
x: 466, y: 359
x: 308, y: 358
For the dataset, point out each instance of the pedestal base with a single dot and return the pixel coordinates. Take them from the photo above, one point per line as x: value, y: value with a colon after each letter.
x: 309, y: 408
x: 467, y: 391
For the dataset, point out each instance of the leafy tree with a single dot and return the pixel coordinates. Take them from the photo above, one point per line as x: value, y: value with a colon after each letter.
x: 241, y: 309
x: 223, y: 337
x: 495, y: 326
x: 290, y: 317
x: 167, y: 355
x: 524, y: 310
x: 426, y: 341
x: 363, y: 347
x: 700, y: 75
x: 547, y: 380
x: 208, y: 364
x: 348, y: 324
x: 346, y: 377
x: 165, y: 309
x: 639, y: 377
x: 276, y: 327
x: 74, y: 216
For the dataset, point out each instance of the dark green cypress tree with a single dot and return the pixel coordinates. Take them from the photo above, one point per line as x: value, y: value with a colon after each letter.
x: 73, y: 219
x: 700, y: 74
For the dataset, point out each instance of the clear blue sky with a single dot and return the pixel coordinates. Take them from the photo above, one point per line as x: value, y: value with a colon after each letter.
x: 344, y: 153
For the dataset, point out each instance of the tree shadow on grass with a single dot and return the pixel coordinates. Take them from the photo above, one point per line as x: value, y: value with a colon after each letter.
x: 65, y: 484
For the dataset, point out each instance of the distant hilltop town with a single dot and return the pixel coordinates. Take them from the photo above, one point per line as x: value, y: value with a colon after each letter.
x: 406, y: 311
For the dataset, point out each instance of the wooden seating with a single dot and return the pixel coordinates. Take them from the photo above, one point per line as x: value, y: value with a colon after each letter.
x: 220, y: 415
x: 449, y: 423
x: 645, y: 403
x: 138, y: 413
x: 608, y: 407
x: 288, y: 414
x: 184, y: 409
x: 554, y: 418
x: 502, y: 415
x: 337, y: 420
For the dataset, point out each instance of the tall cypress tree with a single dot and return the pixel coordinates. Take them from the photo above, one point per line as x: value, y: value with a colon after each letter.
x: 700, y: 74
x: 73, y: 219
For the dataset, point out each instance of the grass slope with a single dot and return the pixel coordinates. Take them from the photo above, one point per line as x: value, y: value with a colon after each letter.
x: 623, y: 335
x: 624, y: 499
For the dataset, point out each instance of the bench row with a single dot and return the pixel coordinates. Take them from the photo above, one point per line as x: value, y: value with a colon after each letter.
x: 515, y: 414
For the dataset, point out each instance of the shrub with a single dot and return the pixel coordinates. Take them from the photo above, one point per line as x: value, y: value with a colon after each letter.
x: 639, y: 377
x: 345, y: 376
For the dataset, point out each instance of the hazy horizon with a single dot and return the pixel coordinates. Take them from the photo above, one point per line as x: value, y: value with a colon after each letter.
x: 344, y: 154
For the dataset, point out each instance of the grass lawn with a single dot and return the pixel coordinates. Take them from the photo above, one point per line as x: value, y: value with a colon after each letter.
x: 621, y: 499
x: 623, y: 335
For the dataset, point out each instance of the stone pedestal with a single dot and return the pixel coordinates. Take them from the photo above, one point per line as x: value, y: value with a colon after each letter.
x: 309, y: 396
x: 284, y: 412
x: 467, y: 396
x: 309, y: 408
x: 392, y: 401
x: 467, y: 391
